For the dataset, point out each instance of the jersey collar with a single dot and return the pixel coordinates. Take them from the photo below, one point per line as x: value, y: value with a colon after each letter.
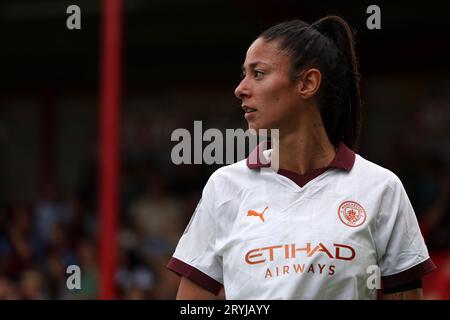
x: 344, y: 158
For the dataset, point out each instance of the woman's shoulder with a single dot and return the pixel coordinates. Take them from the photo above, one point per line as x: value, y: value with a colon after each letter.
x: 228, y: 181
x: 373, y: 172
x: 231, y: 172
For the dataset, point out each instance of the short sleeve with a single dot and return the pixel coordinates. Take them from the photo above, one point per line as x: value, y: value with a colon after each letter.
x: 402, y: 252
x: 195, y: 256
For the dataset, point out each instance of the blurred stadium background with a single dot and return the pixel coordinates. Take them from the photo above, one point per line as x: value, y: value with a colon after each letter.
x: 181, y: 62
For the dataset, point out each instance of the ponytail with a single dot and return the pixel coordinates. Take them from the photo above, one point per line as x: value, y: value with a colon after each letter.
x: 337, y: 30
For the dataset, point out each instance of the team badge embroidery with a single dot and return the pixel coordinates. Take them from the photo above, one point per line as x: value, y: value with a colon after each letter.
x: 351, y: 213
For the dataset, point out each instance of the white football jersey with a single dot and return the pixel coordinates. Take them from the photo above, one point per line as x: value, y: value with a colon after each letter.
x: 278, y: 235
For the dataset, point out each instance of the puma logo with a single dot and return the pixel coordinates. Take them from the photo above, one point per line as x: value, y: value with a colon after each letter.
x: 257, y: 214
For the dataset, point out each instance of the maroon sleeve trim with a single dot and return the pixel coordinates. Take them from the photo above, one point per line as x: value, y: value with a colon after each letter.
x: 183, y: 269
x: 409, y: 275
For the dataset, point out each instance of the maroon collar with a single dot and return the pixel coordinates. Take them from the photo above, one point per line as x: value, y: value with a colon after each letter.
x: 344, y: 158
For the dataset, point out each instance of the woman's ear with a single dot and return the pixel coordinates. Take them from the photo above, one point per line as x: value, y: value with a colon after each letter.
x: 309, y: 82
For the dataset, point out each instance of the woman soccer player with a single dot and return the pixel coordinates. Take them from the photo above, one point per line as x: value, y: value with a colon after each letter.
x: 327, y: 224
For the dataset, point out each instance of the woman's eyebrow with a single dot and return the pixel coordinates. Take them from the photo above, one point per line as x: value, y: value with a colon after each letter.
x: 253, y: 65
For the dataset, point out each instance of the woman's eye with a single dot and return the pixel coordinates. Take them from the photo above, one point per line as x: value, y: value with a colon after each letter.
x: 258, y: 74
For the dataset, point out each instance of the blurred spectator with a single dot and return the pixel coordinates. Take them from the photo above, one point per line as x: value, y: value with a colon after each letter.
x: 55, y: 276
x: 87, y: 256
x: 156, y: 216
x: 50, y: 209
x: 8, y: 291
x: 433, y: 198
x: 32, y: 286
x: 59, y: 244
x: 134, y: 277
x: 158, y: 221
x: 136, y: 283
x: 24, y: 248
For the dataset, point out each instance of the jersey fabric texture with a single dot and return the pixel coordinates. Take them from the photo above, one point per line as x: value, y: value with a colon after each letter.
x: 325, y: 235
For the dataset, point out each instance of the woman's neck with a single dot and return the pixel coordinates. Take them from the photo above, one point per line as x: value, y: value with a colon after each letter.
x: 305, y: 148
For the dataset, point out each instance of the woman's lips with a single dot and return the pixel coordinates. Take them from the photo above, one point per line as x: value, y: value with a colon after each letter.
x: 249, y: 115
x: 247, y: 109
x: 249, y: 112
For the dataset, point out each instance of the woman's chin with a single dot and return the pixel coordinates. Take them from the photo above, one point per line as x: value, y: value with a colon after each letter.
x: 258, y: 126
x: 253, y: 127
x: 259, y: 130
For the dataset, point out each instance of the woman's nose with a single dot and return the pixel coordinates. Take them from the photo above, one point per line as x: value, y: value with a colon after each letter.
x: 241, y: 90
